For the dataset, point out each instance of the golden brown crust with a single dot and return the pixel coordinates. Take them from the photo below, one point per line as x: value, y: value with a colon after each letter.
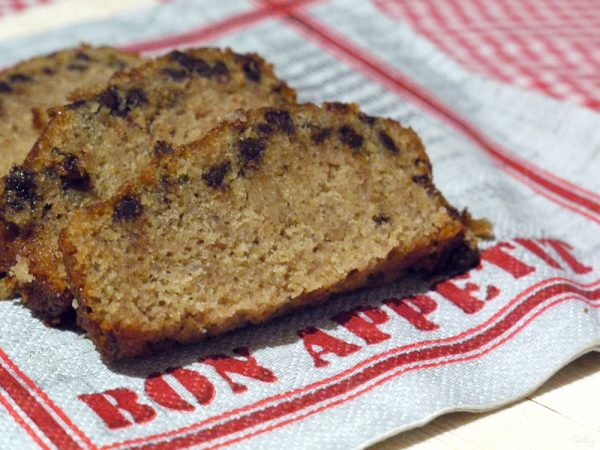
x: 104, y: 138
x: 395, y: 152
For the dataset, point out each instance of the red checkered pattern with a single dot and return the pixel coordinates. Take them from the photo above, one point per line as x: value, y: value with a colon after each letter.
x: 8, y: 7
x: 549, y: 45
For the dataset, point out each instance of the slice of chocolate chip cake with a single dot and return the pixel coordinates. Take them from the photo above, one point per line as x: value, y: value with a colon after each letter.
x: 29, y: 89
x: 102, y: 139
x: 278, y: 210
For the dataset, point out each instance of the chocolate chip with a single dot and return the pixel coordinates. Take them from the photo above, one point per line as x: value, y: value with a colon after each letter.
x: 82, y: 56
x: 197, y: 65
x: 110, y: 98
x: 388, y: 142
x: 282, y: 119
x: 251, y: 149
x: 251, y: 68
x: 350, y: 137
x: 215, y: 175
x: 48, y: 70
x: 319, y: 135
x: 162, y: 148
x: 128, y: 208
x: 220, y: 69
x: 20, y: 188
x: 75, y: 67
x: 278, y: 88
x: 136, y: 97
x: 264, y: 128
x: 175, y: 74
x: 369, y: 120
x: 337, y: 106
x: 76, y: 104
x: 72, y: 174
x: 5, y: 88
x: 19, y: 78
x: 423, y: 180
x: 380, y: 219
x: 46, y: 209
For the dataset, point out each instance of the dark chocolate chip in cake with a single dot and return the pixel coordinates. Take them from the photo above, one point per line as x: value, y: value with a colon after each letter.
x: 265, y: 129
x: 109, y: 97
x: 388, y: 142
x: 350, y: 137
x: 19, y: 78
x: 162, y: 148
x: 175, y: 74
x: 251, y: 68
x: 72, y: 174
x: 278, y: 87
x: 82, y: 56
x: 369, y: 120
x: 5, y: 88
x: 251, y: 149
x: 422, y: 180
x: 319, y: 135
x: 220, y: 70
x: 215, y: 175
x: 193, y: 64
x: 128, y: 208
x: 183, y: 179
x: 136, y: 97
x: 380, y: 219
x: 281, y: 119
x: 20, y: 188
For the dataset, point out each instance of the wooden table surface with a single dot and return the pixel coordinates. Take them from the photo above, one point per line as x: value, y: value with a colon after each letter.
x: 563, y: 414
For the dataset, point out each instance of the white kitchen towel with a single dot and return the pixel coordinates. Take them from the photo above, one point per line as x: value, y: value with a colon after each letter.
x: 369, y: 364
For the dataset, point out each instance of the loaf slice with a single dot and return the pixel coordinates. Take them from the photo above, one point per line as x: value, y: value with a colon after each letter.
x: 278, y: 210
x: 30, y: 88
x: 102, y: 139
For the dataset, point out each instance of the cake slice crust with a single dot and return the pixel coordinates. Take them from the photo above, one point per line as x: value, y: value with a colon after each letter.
x: 277, y: 210
x: 104, y: 138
